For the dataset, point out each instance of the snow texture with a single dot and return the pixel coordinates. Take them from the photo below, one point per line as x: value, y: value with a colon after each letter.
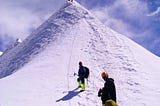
x: 40, y: 70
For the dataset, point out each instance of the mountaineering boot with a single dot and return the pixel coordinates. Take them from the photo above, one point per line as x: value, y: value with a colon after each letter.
x: 83, y: 87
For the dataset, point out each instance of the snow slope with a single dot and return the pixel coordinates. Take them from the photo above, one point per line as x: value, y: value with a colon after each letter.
x: 44, y: 63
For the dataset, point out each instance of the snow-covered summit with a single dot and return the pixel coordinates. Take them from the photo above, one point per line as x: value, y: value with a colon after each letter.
x: 49, y: 31
x: 1, y: 53
x: 44, y: 63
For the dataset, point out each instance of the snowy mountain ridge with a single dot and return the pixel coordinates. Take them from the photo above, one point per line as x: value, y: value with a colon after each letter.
x: 47, y: 32
x: 46, y: 60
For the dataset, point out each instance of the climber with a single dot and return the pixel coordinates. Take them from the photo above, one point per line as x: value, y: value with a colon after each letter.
x: 83, y: 73
x: 108, y: 92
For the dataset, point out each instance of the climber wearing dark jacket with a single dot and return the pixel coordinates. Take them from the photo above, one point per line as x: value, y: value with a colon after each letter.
x: 81, y: 76
x: 108, y: 91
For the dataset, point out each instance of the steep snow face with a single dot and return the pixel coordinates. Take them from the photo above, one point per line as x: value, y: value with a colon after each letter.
x: 50, y: 56
x: 48, y: 32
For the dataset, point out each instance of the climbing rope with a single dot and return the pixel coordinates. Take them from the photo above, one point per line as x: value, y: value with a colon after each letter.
x: 69, y: 62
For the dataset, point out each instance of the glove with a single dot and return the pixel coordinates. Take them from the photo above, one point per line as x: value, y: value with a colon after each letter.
x: 99, y: 92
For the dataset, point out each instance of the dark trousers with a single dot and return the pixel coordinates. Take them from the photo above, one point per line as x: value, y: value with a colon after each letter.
x: 81, y: 79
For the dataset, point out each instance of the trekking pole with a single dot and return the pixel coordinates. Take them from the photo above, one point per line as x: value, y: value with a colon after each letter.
x: 87, y: 81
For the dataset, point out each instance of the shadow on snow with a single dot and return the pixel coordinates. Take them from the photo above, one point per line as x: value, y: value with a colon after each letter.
x: 70, y: 95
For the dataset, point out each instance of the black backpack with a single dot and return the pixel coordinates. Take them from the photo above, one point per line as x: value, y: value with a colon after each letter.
x: 87, y: 72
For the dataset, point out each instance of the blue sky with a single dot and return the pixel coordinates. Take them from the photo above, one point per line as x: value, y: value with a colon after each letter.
x: 137, y: 19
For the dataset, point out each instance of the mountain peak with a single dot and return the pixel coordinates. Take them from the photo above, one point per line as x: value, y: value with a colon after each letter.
x: 46, y: 60
x: 55, y: 26
x: 1, y: 53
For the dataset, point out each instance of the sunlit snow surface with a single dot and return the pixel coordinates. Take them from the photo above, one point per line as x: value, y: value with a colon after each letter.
x: 43, y: 65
